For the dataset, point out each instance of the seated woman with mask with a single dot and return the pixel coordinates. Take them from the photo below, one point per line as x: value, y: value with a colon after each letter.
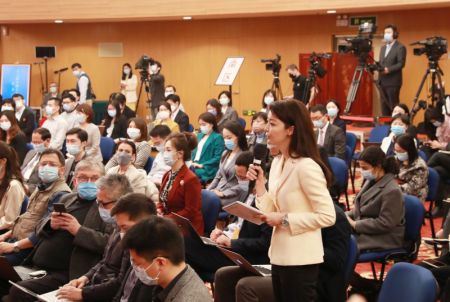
x: 258, y: 135
x: 399, y: 125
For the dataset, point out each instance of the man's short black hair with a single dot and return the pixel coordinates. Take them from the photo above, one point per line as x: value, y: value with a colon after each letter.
x: 156, y: 237
x: 77, y: 92
x: 17, y: 95
x: 58, y: 101
x: 80, y: 133
x: 157, y: 63
x: 136, y: 205
x: 173, y: 97
x: 76, y: 65
x: 319, y: 107
x: 160, y: 130
x: 43, y: 132
x: 68, y: 96
x: 58, y: 153
x: 244, y: 159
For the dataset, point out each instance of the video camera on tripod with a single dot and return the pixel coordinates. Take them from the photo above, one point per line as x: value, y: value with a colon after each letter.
x: 315, y: 59
x: 433, y: 47
x: 143, y: 64
x: 361, y: 45
x: 273, y: 65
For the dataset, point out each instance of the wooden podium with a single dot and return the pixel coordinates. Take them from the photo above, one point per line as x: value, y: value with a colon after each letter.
x: 336, y: 83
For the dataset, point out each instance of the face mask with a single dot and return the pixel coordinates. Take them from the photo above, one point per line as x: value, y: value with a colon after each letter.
x: 39, y: 147
x: 53, y: 89
x: 318, y: 124
x: 48, y: 174
x: 168, y: 159
x: 224, y: 101
x: 229, y: 144
x: 67, y: 108
x: 160, y: 148
x: 154, y: 68
x: 19, y: 104
x: 167, y: 93
x: 401, y: 156
x: 213, y: 112
x: 332, y: 112
x: 76, y: 73
x: 73, y: 149
x: 7, y: 108
x: 162, y: 115
x: 260, y: 137
x: 367, y: 175
x: 126, y: 71
x: 205, y: 129
x: 81, y: 118
x: 388, y: 37
x: 143, y: 277
x: 173, y: 108
x: 87, y: 190
x: 268, y: 100
x: 105, y: 215
x: 5, y: 125
x: 134, y: 133
x: 397, y: 130
x: 121, y: 235
x: 437, y: 124
x: 123, y: 158
x: 112, y: 113
x: 243, y: 184
x: 48, y: 110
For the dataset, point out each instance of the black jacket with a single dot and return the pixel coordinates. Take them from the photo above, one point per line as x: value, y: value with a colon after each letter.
x: 182, y: 119
x: 27, y: 123
x: 19, y: 143
x: 140, y: 292
x: 394, y: 61
x: 120, y: 128
x: 157, y: 90
x: 338, y: 122
x: 128, y: 113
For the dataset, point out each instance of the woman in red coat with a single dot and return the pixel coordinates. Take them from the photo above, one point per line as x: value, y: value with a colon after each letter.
x: 180, y: 188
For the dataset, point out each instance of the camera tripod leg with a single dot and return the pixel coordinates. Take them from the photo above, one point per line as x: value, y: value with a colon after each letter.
x: 357, y: 75
x: 419, y: 90
x: 276, y: 87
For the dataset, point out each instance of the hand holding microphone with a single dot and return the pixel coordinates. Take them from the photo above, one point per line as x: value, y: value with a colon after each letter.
x: 255, y: 172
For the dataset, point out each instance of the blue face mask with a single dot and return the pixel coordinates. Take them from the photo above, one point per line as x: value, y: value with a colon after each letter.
x: 368, y: 175
x: 39, y: 148
x: 401, y: 156
x: 332, y: 112
x: 48, y: 174
x: 73, y: 149
x: 213, y: 111
x: 87, y: 190
x: 168, y: 159
x: 67, y: 108
x: 205, y: 129
x: 105, y: 215
x: 318, y: 124
x: 112, y: 113
x: 397, y: 130
x: 229, y: 144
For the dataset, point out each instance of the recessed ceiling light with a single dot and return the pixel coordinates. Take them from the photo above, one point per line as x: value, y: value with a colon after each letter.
x: 59, y: 21
x: 187, y: 18
x: 331, y: 11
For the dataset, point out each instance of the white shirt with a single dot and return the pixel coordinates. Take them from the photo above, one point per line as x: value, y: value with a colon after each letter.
x: 70, y: 119
x: 19, y: 113
x: 83, y: 84
x: 321, y: 136
x: 200, y: 147
x: 388, y: 48
x: 130, y: 89
x: 58, y: 129
x: 159, y: 168
x: 174, y: 114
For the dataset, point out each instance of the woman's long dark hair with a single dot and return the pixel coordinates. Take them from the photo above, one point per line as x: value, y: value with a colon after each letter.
x: 407, y: 143
x: 375, y: 157
x: 12, y: 169
x: 124, y: 76
x: 14, y: 130
x: 238, y: 130
x: 303, y: 143
x: 116, y: 104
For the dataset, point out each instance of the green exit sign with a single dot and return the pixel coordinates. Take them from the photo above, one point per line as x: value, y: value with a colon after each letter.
x: 357, y: 21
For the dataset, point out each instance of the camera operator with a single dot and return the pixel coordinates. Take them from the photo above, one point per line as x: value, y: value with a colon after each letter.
x: 156, y: 84
x: 299, y: 85
x: 392, y: 61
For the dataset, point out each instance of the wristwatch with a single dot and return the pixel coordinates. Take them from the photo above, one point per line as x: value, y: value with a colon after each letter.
x: 16, y: 247
x: 285, y: 220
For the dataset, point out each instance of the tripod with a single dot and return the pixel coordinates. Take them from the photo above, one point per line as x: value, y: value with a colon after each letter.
x: 144, y: 82
x: 276, y: 87
x: 436, y: 86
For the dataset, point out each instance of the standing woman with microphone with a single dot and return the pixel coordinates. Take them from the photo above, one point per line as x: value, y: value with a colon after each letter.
x: 297, y: 203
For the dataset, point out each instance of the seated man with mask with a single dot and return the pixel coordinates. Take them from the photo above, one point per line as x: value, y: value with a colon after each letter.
x: 73, y: 242
x: 76, y: 140
x: 103, y: 280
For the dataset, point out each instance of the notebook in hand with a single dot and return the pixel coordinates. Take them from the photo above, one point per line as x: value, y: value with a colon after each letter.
x: 244, y: 211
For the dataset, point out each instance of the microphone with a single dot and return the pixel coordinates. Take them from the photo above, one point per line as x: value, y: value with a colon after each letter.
x: 259, y: 159
x: 61, y: 70
x: 38, y: 63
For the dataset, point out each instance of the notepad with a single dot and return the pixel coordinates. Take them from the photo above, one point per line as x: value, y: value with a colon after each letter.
x: 244, y: 211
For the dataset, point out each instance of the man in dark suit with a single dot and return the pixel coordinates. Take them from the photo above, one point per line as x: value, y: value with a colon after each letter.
x: 330, y: 137
x: 178, y: 115
x: 392, y: 60
x: 25, y: 116
x: 156, y: 87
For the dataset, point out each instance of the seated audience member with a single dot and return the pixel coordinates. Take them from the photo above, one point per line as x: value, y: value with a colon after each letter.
x: 180, y: 190
x: 441, y: 163
x: 206, y: 157
x: 243, y: 237
x: 76, y: 139
x: 226, y: 185
x: 399, y: 124
x: 442, y: 136
x: 55, y: 123
x: 25, y: 116
x: 40, y: 140
x: 85, y: 117
x: 126, y: 155
x: 170, y: 89
x: 229, y: 114
x: 136, y: 132
x: 378, y: 216
x: 75, y: 92
x: 413, y: 175
x: 70, y: 115
x: 100, y: 283
x: 157, y: 257
x: 258, y: 135
x: 115, y: 122
x: 12, y: 190
x: 71, y: 243
x: 159, y: 168
x: 235, y: 284
x: 329, y: 136
x: 53, y: 93
x: 8, y: 105
x: 17, y: 243
x: 333, y: 110
x: 178, y: 115
x: 269, y: 97
x: 124, y: 109
x: 163, y: 118
x: 213, y: 107
x: 11, y: 134
x: 403, y: 109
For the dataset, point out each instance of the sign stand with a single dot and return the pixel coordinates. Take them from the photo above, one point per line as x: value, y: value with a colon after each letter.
x: 229, y: 72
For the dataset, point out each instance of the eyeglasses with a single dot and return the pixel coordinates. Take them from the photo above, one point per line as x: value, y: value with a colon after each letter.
x: 102, y: 204
x: 87, y: 179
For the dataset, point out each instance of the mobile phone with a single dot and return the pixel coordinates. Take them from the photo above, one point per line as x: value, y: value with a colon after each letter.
x: 59, y: 207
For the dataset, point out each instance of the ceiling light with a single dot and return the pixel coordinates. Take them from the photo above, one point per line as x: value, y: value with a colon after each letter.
x: 331, y: 11
x: 59, y: 21
x: 187, y: 18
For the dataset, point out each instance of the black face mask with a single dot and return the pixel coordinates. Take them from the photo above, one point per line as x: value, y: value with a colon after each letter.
x: 292, y: 76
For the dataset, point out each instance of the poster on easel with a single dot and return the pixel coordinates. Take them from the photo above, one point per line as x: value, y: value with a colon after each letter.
x: 15, y: 78
x: 229, y: 71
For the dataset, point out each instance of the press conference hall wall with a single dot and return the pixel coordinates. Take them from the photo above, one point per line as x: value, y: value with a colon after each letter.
x: 192, y: 52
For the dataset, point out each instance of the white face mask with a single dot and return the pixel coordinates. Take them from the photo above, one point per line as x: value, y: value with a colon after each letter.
x: 5, y: 125
x: 224, y: 101
x: 76, y: 73
x: 134, y: 133
x: 163, y: 115
x: 126, y: 71
x: 19, y: 104
x: 173, y: 108
x: 53, y: 89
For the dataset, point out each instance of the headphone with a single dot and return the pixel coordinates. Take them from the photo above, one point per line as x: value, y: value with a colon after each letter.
x: 394, y: 29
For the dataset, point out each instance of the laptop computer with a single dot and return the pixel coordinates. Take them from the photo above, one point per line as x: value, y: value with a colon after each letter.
x: 188, y: 230
x: 48, y: 297
x: 14, y: 273
x: 259, y: 270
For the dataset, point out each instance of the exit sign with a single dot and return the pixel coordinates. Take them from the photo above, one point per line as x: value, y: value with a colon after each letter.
x: 357, y: 21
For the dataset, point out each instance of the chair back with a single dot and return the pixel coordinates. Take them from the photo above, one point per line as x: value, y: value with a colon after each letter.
x: 414, y: 215
x: 350, y: 140
x: 190, y: 128
x: 423, y: 155
x: 29, y: 147
x: 340, y: 172
x: 210, y: 210
x: 242, y: 122
x: 352, y: 259
x: 24, y: 205
x: 378, y: 133
x: 433, y: 184
x: 107, y: 148
x: 406, y: 282
x: 148, y: 164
